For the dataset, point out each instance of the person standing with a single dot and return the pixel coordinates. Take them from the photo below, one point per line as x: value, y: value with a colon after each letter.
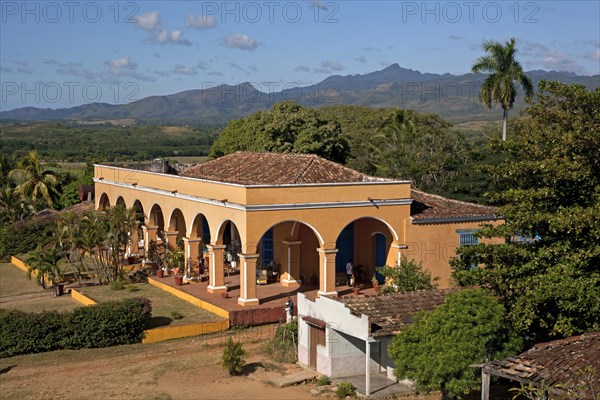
x: 349, y: 272
x: 289, y: 310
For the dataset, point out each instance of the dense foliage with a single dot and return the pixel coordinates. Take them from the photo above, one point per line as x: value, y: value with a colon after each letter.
x: 286, y: 128
x: 548, y: 274
x: 406, y: 277
x: 438, y: 349
x: 72, y: 142
x: 106, y: 324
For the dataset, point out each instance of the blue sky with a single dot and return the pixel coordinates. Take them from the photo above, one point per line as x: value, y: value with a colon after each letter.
x: 64, y: 53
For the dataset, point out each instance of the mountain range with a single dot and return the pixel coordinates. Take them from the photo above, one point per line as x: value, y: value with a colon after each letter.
x: 454, y: 97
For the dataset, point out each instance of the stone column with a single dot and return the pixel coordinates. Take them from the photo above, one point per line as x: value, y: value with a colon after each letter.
x: 216, y: 282
x: 291, y: 268
x: 191, y: 248
x: 327, y: 272
x: 171, y: 238
x: 248, y: 280
x: 396, y: 251
x: 149, y: 235
x: 133, y: 242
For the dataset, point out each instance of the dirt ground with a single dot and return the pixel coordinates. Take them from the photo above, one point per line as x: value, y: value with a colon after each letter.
x: 180, y: 369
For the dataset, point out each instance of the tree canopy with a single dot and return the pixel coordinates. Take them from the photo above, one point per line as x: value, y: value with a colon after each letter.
x: 286, y: 128
x: 548, y: 272
x: 438, y: 349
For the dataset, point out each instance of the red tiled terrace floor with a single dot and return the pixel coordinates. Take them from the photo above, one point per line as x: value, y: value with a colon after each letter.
x: 272, y: 298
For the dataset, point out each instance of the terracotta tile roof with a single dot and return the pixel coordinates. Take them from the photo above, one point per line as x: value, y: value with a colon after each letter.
x: 50, y: 215
x: 389, y: 313
x: 554, y: 363
x: 250, y: 168
x: 427, y: 206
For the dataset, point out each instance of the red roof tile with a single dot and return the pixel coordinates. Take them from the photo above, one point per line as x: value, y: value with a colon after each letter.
x: 555, y: 363
x: 389, y: 313
x: 427, y: 206
x: 250, y: 168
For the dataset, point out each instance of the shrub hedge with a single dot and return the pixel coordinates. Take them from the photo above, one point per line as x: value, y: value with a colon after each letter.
x: 106, y: 324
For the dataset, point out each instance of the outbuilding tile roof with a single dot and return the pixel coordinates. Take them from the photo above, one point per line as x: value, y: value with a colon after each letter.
x: 427, y: 206
x: 253, y: 168
x: 389, y: 313
x: 559, y: 362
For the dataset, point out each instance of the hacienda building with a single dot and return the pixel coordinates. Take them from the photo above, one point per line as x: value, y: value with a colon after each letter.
x: 301, y: 215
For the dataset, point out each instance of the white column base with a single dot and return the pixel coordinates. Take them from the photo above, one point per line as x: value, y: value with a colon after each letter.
x: 216, y: 289
x: 247, y: 302
x: 333, y: 294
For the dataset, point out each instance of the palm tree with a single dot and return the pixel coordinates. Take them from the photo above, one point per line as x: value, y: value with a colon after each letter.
x: 504, y: 70
x: 44, y: 263
x: 32, y: 181
x: 13, y: 206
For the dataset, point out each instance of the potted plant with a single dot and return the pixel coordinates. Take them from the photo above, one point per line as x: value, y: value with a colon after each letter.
x: 176, y: 261
x: 375, y: 283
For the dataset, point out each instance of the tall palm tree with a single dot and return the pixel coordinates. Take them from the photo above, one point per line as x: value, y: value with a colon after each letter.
x: 504, y: 70
x: 32, y: 181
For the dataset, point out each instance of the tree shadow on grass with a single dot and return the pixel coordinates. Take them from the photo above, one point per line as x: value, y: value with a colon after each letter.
x: 157, y: 322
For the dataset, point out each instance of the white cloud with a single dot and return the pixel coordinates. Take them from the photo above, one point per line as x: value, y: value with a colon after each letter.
x: 361, y: 59
x: 200, y: 21
x: 239, y: 41
x: 173, y: 37
x: 539, y: 55
x: 593, y: 55
x: 181, y: 69
x: 5, y: 69
x: 329, y: 66
x: 455, y: 37
x: 215, y: 73
x: 234, y: 65
x: 149, y: 21
x: 121, y: 63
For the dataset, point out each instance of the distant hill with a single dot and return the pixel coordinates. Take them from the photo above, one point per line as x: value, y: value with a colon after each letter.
x: 454, y: 97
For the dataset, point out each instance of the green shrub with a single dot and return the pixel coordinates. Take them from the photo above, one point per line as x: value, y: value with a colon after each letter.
x: 132, y: 288
x: 345, y: 389
x: 233, y: 357
x: 284, y: 346
x: 176, y: 315
x: 117, y: 284
x: 323, y: 380
x: 108, y: 324
x: 23, y: 333
x: 105, y: 324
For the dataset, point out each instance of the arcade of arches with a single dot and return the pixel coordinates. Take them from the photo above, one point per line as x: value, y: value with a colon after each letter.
x: 309, y: 224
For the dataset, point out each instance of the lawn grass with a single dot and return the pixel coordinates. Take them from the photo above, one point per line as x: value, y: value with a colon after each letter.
x: 14, y: 282
x: 163, y: 304
x: 32, y: 297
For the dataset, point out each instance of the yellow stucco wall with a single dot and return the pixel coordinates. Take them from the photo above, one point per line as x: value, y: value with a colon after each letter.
x: 435, y: 244
x: 315, y: 227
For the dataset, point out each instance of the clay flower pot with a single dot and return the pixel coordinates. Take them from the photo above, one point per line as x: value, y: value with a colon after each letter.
x: 178, y: 280
x: 356, y: 291
x: 225, y: 295
x: 160, y: 273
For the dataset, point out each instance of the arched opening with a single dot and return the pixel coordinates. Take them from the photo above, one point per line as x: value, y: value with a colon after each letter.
x: 177, y: 224
x: 155, y: 218
x: 229, y: 236
x: 201, y: 229
x: 287, y: 253
x: 104, y: 202
x: 120, y: 201
x: 367, y: 242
